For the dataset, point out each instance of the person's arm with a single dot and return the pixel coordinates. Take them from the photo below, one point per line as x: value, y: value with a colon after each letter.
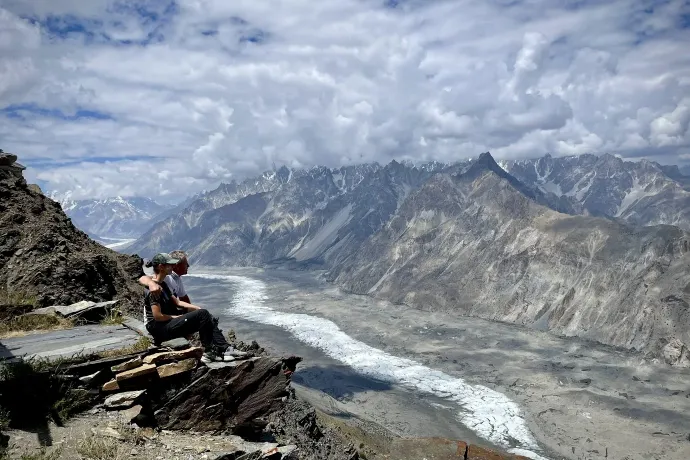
x: 183, y: 304
x: 147, y: 281
x: 181, y: 291
x: 158, y: 315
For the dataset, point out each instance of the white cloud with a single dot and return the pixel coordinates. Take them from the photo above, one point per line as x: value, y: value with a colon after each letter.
x: 223, y: 90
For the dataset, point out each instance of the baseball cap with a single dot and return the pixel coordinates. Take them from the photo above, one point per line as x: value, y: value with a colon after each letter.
x: 163, y: 258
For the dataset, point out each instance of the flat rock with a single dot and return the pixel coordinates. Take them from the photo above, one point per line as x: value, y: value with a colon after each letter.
x: 111, y: 386
x: 140, y: 371
x: 156, y: 358
x: 96, y: 379
x: 176, y: 344
x: 168, y: 370
x: 135, y: 325
x: 128, y: 365
x: 123, y: 400
x: 128, y: 415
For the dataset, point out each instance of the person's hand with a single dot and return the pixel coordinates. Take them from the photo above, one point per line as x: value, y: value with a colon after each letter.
x: 155, y: 289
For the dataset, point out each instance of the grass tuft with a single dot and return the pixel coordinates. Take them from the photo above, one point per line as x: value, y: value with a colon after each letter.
x: 14, y: 297
x: 141, y: 345
x: 98, y: 448
x: 113, y: 318
x: 27, y: 323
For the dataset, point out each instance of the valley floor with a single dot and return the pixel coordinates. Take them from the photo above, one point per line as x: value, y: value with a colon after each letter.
x: 433, y: 374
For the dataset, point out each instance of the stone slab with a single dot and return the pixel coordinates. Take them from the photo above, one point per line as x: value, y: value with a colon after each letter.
x: 123, y: 400
x: 127, y: 365
x: 140, y: 371
x: 176, y: 344
x: 155, y: 358
x: 70, y: 342
x: 135, y: 325
x: 180, y: 367
x: 111, y: 386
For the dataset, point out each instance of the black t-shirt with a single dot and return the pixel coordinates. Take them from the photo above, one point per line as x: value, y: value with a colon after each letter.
x: 165, y: 301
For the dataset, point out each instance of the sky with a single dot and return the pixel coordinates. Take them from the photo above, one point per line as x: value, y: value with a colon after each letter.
x: 165, y: 98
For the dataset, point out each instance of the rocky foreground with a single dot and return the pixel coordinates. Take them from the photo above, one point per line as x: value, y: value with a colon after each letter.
x: 241, y: 408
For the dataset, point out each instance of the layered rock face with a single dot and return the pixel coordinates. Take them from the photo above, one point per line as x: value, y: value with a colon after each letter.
x: 473, y: 244
x: 43, y: 255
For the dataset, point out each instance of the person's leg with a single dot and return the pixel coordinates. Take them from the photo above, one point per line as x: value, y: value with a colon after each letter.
x: 195, y: 321
x: 218, y: 338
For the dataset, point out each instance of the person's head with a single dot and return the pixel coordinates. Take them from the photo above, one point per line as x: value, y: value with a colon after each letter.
x: 181, y: 267
x: 162, y: 263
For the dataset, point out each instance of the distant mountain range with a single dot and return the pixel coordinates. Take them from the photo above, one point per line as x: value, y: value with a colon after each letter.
x: 591, y: 246
x: 117, y: 218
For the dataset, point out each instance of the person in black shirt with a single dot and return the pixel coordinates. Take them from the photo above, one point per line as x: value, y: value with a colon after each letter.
x: 162, y: 312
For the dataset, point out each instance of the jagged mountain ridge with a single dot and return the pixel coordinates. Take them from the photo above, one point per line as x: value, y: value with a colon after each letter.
x: 115, y: 217
x: 311, y: 216
x: 475, y: 244
x: 640, y: 193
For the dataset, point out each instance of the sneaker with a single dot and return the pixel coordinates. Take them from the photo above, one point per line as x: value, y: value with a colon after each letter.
x: 209, y: 357
x: 234, y: 353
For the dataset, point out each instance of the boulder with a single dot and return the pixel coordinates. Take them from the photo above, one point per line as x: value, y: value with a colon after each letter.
x: 123, y: 400
x: 7, y: 159
x: 676, y: 353
x: 235, y: 399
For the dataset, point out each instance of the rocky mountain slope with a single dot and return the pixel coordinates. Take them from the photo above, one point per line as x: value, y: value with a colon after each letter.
x: 570, y: 245
x: 113, y: 217
x: 315, y: 216
x: 640, y: 193
x: 475, y: 244
x: 42, y: 254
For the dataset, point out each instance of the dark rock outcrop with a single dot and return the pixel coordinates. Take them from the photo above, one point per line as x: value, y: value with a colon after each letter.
x: 227, y: 397
x: 43, y: 255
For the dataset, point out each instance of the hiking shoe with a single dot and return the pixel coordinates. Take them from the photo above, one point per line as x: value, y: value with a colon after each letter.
x: 209, y: 357
x: 234, y: 353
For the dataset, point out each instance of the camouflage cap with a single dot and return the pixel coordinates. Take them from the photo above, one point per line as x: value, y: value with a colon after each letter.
x: 163, y: 258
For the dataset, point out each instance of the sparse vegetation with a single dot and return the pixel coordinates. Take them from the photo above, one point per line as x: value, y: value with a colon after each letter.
x: 141, y: 345
x: 43, y: 454
x: 27, y: 323
x: 16, y: 297
x: 113, y: 318
x: 98, y: 448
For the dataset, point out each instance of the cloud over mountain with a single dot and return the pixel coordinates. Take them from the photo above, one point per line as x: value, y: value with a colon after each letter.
x: 109, y: 98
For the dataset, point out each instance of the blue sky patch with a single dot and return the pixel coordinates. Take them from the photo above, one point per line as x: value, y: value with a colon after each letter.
x: 22, y: 111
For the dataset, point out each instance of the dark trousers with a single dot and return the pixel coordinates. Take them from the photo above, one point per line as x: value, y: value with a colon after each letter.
x: 199, y: 321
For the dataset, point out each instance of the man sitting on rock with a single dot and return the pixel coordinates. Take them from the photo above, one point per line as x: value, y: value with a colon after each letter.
x: 176, y: 286
x: 162, y: 312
